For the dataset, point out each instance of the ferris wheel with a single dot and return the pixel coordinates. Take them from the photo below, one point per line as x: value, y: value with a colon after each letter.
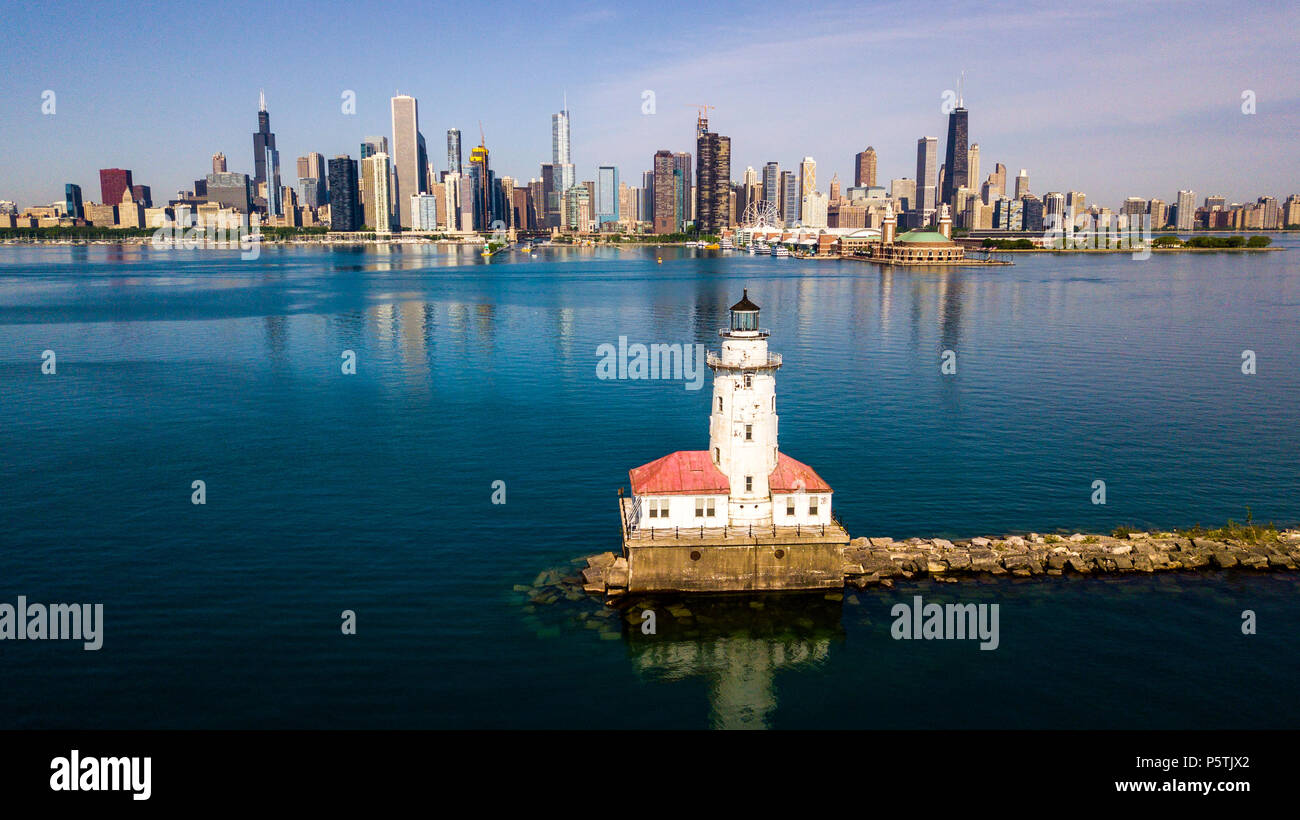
x: 761, y: 214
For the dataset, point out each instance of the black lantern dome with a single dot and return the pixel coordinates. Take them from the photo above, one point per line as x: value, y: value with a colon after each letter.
x: 744, y: 314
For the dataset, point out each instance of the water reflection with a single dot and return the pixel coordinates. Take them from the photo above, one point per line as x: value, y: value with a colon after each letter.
x: 738, y: 644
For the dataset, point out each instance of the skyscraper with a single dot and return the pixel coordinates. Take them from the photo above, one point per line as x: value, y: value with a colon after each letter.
x: 112, y: 182
x: 482, y: 189
x: 973, y: 167
x: 926, y: 159
x: 864, y: 173
x: 345, y: 201
x: 807, y: 180
x: 682, y: 165
x: 373, y: 145
x: 772, y: 184
x: 664, y: 205
x: 230, y: 190
x: 266, y: 161
x: 1022, y: 183
x: 72, y: 201
x: 789, y: 198
x: 410, y: 157
x: 903, y: 191
x: 218, y: 163
x: 713, y: 179
x: 1186, y: 214
x: 607, y: 205
x: 956, y: 159
x: 1075, y: 204
x: 453, y: 152
x: 311, y: 166
x: 311, y: 180
x: 379, y: 195
x: 561, y: 163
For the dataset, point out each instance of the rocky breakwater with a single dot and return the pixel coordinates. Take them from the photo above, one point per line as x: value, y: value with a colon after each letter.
x: 872, y: 561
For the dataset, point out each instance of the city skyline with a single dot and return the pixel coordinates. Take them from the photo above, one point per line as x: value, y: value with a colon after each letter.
x: 1099, y: 137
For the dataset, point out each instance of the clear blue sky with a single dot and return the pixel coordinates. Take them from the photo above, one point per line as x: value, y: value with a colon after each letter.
x: 1115, y: 100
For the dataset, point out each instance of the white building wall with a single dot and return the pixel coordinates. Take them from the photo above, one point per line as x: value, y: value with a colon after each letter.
x: 802, y: 501
x: 681, y: 511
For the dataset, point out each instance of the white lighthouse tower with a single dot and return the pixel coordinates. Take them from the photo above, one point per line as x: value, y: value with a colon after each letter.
x: 741, y: 515
x: 743, y: 420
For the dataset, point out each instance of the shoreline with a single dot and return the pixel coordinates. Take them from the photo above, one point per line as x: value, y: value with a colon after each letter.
x: 1128, y: 250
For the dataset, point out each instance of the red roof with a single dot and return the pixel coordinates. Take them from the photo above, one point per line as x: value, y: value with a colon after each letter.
x: 792, y: 476
x: 692, y: 472
x: 685, y: 472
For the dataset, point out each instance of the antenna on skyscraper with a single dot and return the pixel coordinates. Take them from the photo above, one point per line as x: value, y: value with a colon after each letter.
x: 961, y: 83
x: 261, y: 99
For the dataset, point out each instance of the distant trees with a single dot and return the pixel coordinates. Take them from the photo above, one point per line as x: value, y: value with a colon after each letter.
x: 1010, y: 244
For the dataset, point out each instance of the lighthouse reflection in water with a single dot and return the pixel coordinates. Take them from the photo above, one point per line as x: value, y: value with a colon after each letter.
x: 739, y: 644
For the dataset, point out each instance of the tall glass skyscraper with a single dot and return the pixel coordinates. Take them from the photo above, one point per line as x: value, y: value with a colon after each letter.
x: 72, y: 201
x: 606, y: 194
x: 266, y: 159
x: 345, y: 203
x: 957, y: 157
x: 453, y: 152
x: 772, y: 184
x: 926, y: 159
x: 789, y: 198
x: 561, y: 163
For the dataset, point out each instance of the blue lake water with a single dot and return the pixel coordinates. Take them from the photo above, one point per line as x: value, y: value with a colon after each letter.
x: 373, y: 492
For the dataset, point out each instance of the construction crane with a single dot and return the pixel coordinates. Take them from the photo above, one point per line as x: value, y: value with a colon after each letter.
x: 702, y: 123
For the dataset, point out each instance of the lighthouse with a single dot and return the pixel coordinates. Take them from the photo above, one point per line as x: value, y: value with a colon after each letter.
x: 740, y: 515
x: 743, y: 422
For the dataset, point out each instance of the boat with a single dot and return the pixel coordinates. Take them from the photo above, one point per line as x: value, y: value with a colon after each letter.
x: 726, y: 245
x: 780, y: 251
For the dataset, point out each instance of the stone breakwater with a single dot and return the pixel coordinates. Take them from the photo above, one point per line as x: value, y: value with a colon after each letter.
x: 872, y: 561
x: 879, y: 561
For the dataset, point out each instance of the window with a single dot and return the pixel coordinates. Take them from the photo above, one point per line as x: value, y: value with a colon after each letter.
x: 749, y: 380
x: 749, y: 432
x: 658, y: 508
x: 704, y: 508
x: 812, y: 505
x: 749, y: 483
x: 789, y: 505
x: 708, y: 508
x: 717, y: 455
x: 719, y: 404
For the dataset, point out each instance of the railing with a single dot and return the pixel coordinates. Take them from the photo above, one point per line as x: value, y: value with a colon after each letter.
x: 742, y: 531
x: 726, y: 331
x: 714, y: 360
